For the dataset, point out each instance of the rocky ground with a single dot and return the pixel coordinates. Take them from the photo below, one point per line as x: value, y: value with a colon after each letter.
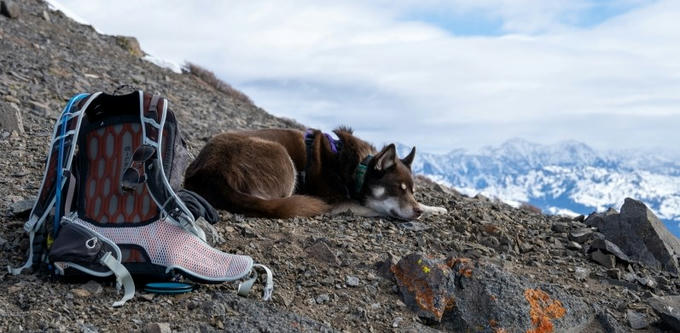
x: 484, y: 266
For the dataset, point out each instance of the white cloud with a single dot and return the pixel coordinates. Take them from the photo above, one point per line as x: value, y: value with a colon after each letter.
x: 326, y: 63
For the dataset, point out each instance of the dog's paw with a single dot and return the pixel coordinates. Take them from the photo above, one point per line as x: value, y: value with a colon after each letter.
x: 432, y: 210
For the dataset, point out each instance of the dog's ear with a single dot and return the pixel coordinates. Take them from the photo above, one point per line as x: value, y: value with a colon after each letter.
x: 386, y: 158
x: 409, y: 158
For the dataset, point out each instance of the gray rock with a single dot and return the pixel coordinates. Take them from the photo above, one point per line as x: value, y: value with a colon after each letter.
x: 88, y: 328
x: 606, y: 260
x: 384, y: 267
x: 636, y: 320
x: 323, y: 298
x: 212, y: 236
x: 9, y: 9
x: 609, y: 323
x: 581, y: 235
x: 157, y: 328
x: 10, y: 117
x: 560, y: 227
x: 463, y: 296
x: 415, y: 226
x: 614, y: 273
x: 646, y: 281
x: 668, y: 308
x: 608, y: 247
x: 92, y: 287
x: 574, y: 246
x: 640, y: 234
x: 321, y: 252
x: 352, y: 281
x: 581, y: 273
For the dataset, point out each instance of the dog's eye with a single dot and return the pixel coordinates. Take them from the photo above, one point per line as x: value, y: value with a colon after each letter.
x: 403, y: 186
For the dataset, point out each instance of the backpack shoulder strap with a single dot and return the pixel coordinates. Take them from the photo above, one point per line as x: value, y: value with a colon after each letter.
x: 153, y: 111
x: 57, y: 169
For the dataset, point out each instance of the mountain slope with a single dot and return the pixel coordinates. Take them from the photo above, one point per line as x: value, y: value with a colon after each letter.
x: 568, y: 177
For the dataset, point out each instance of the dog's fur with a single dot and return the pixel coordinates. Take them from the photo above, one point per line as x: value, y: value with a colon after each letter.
x: 256, y: 173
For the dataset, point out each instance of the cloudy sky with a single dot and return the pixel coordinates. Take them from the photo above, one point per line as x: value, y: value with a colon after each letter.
x: 435, y: 74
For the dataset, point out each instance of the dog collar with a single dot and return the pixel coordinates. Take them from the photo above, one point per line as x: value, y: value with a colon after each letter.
x: 360, y: 173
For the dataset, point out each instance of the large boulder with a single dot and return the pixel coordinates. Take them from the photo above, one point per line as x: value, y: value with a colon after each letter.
x: 668, y: 308
x: 461, y: 295
x: 640, y: 235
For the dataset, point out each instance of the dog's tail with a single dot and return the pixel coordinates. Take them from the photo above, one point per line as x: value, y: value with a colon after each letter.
x: 281, y: 208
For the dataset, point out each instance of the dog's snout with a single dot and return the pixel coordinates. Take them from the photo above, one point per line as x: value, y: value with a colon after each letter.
x: 417, y: 211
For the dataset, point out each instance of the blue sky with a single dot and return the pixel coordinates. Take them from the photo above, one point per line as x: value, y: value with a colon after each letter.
x: 435, y: 74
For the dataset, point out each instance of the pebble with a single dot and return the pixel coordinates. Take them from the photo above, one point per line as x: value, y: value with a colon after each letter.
x: 157, y: 328
x: 581, y: 273
x: 82, y: 293
x: 397, y: 321
x: 352, y: 281
x: 323, y: 298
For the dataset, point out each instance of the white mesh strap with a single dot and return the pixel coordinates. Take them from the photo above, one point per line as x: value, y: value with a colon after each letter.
x: 244, y: 288
x: 29, y: 261
x: 123, y: 278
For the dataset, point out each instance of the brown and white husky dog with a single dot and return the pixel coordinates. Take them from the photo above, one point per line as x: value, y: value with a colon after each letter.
x: 282, y: 173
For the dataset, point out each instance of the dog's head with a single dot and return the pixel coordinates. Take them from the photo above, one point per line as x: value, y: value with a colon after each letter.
x: 388, y: 185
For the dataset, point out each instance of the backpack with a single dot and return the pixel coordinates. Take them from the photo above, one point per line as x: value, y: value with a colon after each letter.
x: 110, y: 186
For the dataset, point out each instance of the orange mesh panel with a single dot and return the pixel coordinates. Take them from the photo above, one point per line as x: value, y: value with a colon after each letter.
x: 108, y: 152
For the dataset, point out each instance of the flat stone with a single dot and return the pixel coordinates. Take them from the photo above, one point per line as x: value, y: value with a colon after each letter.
x: 82, y: 293
x: 321, y: 252
x: 609, y: 247
x: 415, y: 226
x: 157, y: 328
x: 606, y: 260
x: 560, y: 227
x: 668, y: 308
x: 636, y: 320
x: 92, y: 287
x: 581, y: 235
x: 22, y: 208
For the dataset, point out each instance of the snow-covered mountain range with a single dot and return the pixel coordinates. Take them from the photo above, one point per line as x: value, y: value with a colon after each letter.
x: 566, y: 178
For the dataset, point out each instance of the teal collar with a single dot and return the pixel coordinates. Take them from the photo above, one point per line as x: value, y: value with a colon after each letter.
x: 360, y: 174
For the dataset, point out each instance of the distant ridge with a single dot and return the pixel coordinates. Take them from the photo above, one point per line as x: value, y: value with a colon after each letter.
x: 569, y: 177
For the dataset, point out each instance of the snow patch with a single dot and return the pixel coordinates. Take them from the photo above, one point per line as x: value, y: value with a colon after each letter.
x: 164, y: 63
x: 57, y: 6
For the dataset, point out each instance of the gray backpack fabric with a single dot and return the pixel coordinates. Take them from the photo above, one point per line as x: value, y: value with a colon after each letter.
x: 110, y: 187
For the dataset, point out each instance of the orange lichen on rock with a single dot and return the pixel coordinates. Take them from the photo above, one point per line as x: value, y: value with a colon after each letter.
x: 543, y: 310
x: 453, y: 261
x: 464, y: 266
x: 422, y: 291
